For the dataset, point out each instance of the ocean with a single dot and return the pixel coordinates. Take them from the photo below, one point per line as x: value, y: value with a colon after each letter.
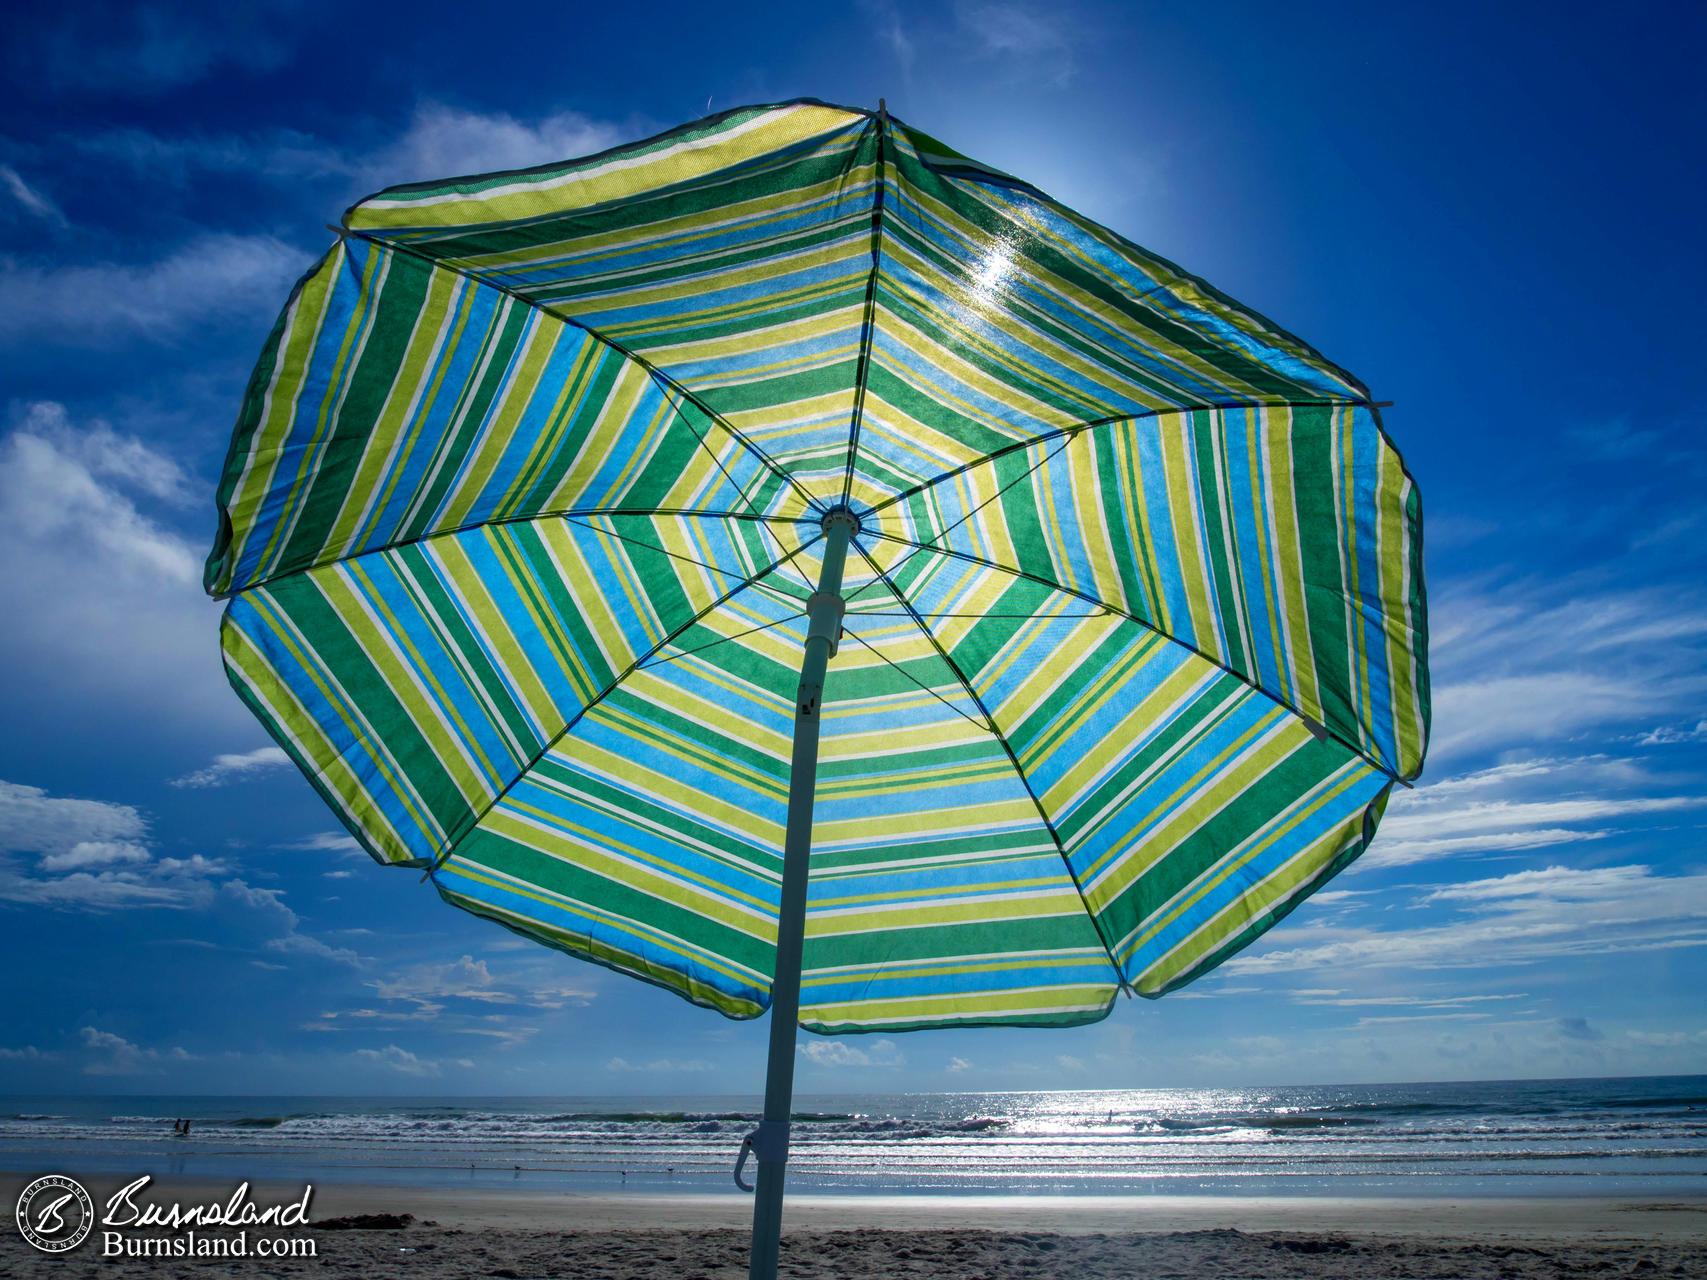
x: 1642, y: 1137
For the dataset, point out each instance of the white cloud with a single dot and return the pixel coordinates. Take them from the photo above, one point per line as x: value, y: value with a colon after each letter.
x: 439, y: 141
x: 107, y: 603
x: 469, y: 979
x: 1339, y: 999
x: 205, y: 281
x: 1521, y: 805
x: 1669, y: 735
x: 957, y: 1065
x: 95, y: 853
x: 113, y: 1055
x: 268, y: 902
x: 1528, y: 664
x: 1556, y: 914
x: 1031, y: 41
x: 301, y: 944
x: 1558, y: 882
x: 31, y: 821
x: 47, y: 488
x: 884, y: 18
x: 661, y: 1065
x: 840, y: 1053
x: 444, y: 142
x: 341, y: 842
x: 403, y: 1061
x: 107, y: 454
x: 90, y: 854
x: 228, y: 767
x: 117, y: 869
x: 31, y: 199
x: 100, y: 891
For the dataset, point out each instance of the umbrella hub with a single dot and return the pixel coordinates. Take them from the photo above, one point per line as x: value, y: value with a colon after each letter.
x: 843, y: 516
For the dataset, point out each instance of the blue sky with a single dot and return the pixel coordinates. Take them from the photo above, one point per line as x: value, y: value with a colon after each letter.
x: 1494, y: 222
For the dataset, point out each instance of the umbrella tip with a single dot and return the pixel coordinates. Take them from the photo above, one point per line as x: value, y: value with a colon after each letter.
x: 882, y: 107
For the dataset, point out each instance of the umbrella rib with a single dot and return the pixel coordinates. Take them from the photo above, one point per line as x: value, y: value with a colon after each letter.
x: 1316, y: 727
x: 509, y: 520
x: 1026, y: 475
x: 739, y: 635
x: 862, y: 370
x: 882, y: 613
x: 1007, y: 749
x: 1077, y: 427
x: 456, y: 838
x: 987, y: 728
x: 712, y: 453
x: 663, y: 379
x: 650, y: 546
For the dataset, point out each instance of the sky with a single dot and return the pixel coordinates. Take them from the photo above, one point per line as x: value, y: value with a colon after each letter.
x: 1493, y: 222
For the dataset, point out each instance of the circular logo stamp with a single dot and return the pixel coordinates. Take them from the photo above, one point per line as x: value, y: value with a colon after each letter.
x: 55, y: 1214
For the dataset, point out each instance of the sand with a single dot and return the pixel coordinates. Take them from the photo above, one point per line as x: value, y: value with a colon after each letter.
x: 464, y: 1235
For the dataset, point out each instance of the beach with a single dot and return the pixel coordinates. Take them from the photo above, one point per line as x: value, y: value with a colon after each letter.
x: 474, y: 1233
x: 1513, y: 1179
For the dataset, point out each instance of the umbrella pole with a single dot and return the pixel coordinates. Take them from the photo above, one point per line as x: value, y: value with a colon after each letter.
x: 770, y: 1144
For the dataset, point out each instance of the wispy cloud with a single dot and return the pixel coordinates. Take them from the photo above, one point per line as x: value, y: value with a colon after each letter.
x: 341, y: 842
x: 33, y: 201
x: 1525, y: 918
x: 1529, y: 664
x: 443, y: 141
x: 90, y: 855
x: 291, y: 941
x: 660, y: 1066
x: 1029, y: 41
x: 402, y: 1061
x: 1523, y: 805
x: 116, y: 616
x: 840, y: 1053
x: 33, y: 821
x: 205, y: 281
x: 430, y: 985
x: 119, y: 49
x: 96, y: 856
x: 892, y: 33
x: 439, y: 141
x: 231, y: 767
x: 1671, y: 735
x: 112, y: 1055
x: 106, y: 454
x: 302, y: 944
x: 1339, y: 999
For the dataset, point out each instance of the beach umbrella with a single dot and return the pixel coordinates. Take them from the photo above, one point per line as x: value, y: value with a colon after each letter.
x: 555, y: 492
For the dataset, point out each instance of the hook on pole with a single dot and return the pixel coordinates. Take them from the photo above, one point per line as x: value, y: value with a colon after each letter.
x: 768, y: 1143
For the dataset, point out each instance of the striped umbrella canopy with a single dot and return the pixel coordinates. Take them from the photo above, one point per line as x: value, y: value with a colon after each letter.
x: 545, y: 480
